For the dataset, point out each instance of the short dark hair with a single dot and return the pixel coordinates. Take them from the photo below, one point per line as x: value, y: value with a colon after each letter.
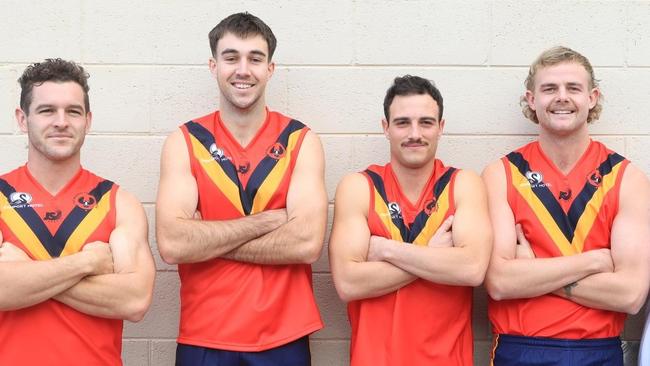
x: 52, y: 69
x: 242, y: 25
x: 411, y: 85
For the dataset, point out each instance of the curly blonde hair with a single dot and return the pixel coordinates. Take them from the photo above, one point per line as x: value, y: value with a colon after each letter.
x: 551, y: 57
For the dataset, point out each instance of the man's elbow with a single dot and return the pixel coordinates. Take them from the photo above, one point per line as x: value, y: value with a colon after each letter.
x: 137, y: 309
x: 634, y: 302
x: 311, y: 250
x: 167, y: 249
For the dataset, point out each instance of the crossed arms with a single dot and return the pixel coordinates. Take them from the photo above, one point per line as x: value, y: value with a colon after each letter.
x: 365, y: 266
x: 282, y: 236
x: 111, y: 280
x: 611, y: 279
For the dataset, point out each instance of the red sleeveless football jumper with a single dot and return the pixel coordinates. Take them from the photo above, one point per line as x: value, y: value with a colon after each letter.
x: 46, y: 227
x: 422, y: 323
x: 235, y: 305
x: 561, y: 215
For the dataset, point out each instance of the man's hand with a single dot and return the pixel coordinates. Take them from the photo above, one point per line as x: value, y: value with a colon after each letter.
x: 523, y: 250
x: 443, y: 235
x: 11, y: 253
x: 375, y: 248
x: 101, y: 257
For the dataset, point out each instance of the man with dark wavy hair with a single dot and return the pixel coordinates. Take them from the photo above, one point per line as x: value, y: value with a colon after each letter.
x: 410, y: 240
x: 74, y: 257
x: 242, y: 210
x: 570, y: 217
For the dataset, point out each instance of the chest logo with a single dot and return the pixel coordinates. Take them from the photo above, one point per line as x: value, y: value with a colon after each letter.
x: 19, y: 199
x: 395, y: 211
x: 52, y: 215
x: 85, y: 201
x: 276, y: 151
x: 595, y: 178
x: 431, y: 207
x: 216, y: 152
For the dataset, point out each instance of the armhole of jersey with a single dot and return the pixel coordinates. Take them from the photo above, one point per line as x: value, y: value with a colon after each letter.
x: 371, y: 197
x: 619, y: 180
x: 112, y: 213
x: 509, y: 189
x: 452, y: 195
x: 188, y: 146
x: 296, y: 151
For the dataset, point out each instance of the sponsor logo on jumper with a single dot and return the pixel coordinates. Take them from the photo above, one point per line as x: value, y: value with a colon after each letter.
x: 21, y: 200
x: 535, y: 180
x: 52, y: 215
x: 243, y: 168
x: 395, y: 211
x: 565, y: 195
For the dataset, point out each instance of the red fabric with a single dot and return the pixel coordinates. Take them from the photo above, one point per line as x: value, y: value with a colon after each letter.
x: 550, y: 315
x: 51, y: 333
x: 422, y: 323
x: 234, y: 305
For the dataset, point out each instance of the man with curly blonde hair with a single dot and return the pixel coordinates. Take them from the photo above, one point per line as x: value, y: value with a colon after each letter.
x: 571, y: 240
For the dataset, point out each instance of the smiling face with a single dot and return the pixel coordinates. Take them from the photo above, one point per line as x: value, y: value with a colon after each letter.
x: 562, y: 97
x: 413, y: 130
x: 242, y: 69
x: 56, y: 122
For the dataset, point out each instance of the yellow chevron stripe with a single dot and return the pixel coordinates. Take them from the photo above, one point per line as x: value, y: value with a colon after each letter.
x: 216, y: 174
x: 22, y: 231
x: 87, y: 226
x: 522, y: 185
x: 436, y: 218
x: 592, y: 209
x: 275, y: 176
x: 384, y: 215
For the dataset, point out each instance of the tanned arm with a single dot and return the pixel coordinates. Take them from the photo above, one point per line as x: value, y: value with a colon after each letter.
x: 300, y: 239
x: 126, y: 293
x: 183, y: 238
x: 355, y: 277
x: 625, y: 288
x: 510, y: 277
x: 464, y: 263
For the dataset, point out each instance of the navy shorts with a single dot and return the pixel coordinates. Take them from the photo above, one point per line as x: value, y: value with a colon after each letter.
x: 295, y: 353
x: 537, y: 351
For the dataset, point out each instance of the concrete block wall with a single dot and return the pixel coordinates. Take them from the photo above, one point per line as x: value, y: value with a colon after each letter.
x: 335, y: 59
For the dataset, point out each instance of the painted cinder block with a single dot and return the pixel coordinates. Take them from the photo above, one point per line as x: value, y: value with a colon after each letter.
x: 330, y: 352
x: 135, y: 352
x: 119, y: 98
x: 638, y: 43
x: 13, y: 149
x: 625, y: 107
x: 163, y: 352
x: 332, y: 309
x: 161, y: 321
x: 33, y: 31
x: 131, y: 161
x: 9, y: 99
x: 521, y: 30
x: 638, y: 151
x: 420, y: 32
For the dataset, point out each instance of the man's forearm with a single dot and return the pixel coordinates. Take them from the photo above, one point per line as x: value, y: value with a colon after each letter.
x: 362, y: 280
x: 526, y: 278
x: 607, y: 291
x: 194, y: 240
x: 299, y: 240
x: 27, y: 283
x: 116, y: 296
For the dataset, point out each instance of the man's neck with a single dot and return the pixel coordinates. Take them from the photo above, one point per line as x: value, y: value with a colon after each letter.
x: 53, y: 175
x: 565, y: 151
x: 243, y: 123
x: 412, y: 180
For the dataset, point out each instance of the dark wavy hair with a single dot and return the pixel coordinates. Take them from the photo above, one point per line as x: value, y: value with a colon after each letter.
x: 411, y: 85
x: 52, y: 69
x: 242, y: 25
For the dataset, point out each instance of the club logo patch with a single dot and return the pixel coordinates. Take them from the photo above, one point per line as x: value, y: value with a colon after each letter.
x: 276, y: 151
x: 85, y: 201
x: 595, y: 178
